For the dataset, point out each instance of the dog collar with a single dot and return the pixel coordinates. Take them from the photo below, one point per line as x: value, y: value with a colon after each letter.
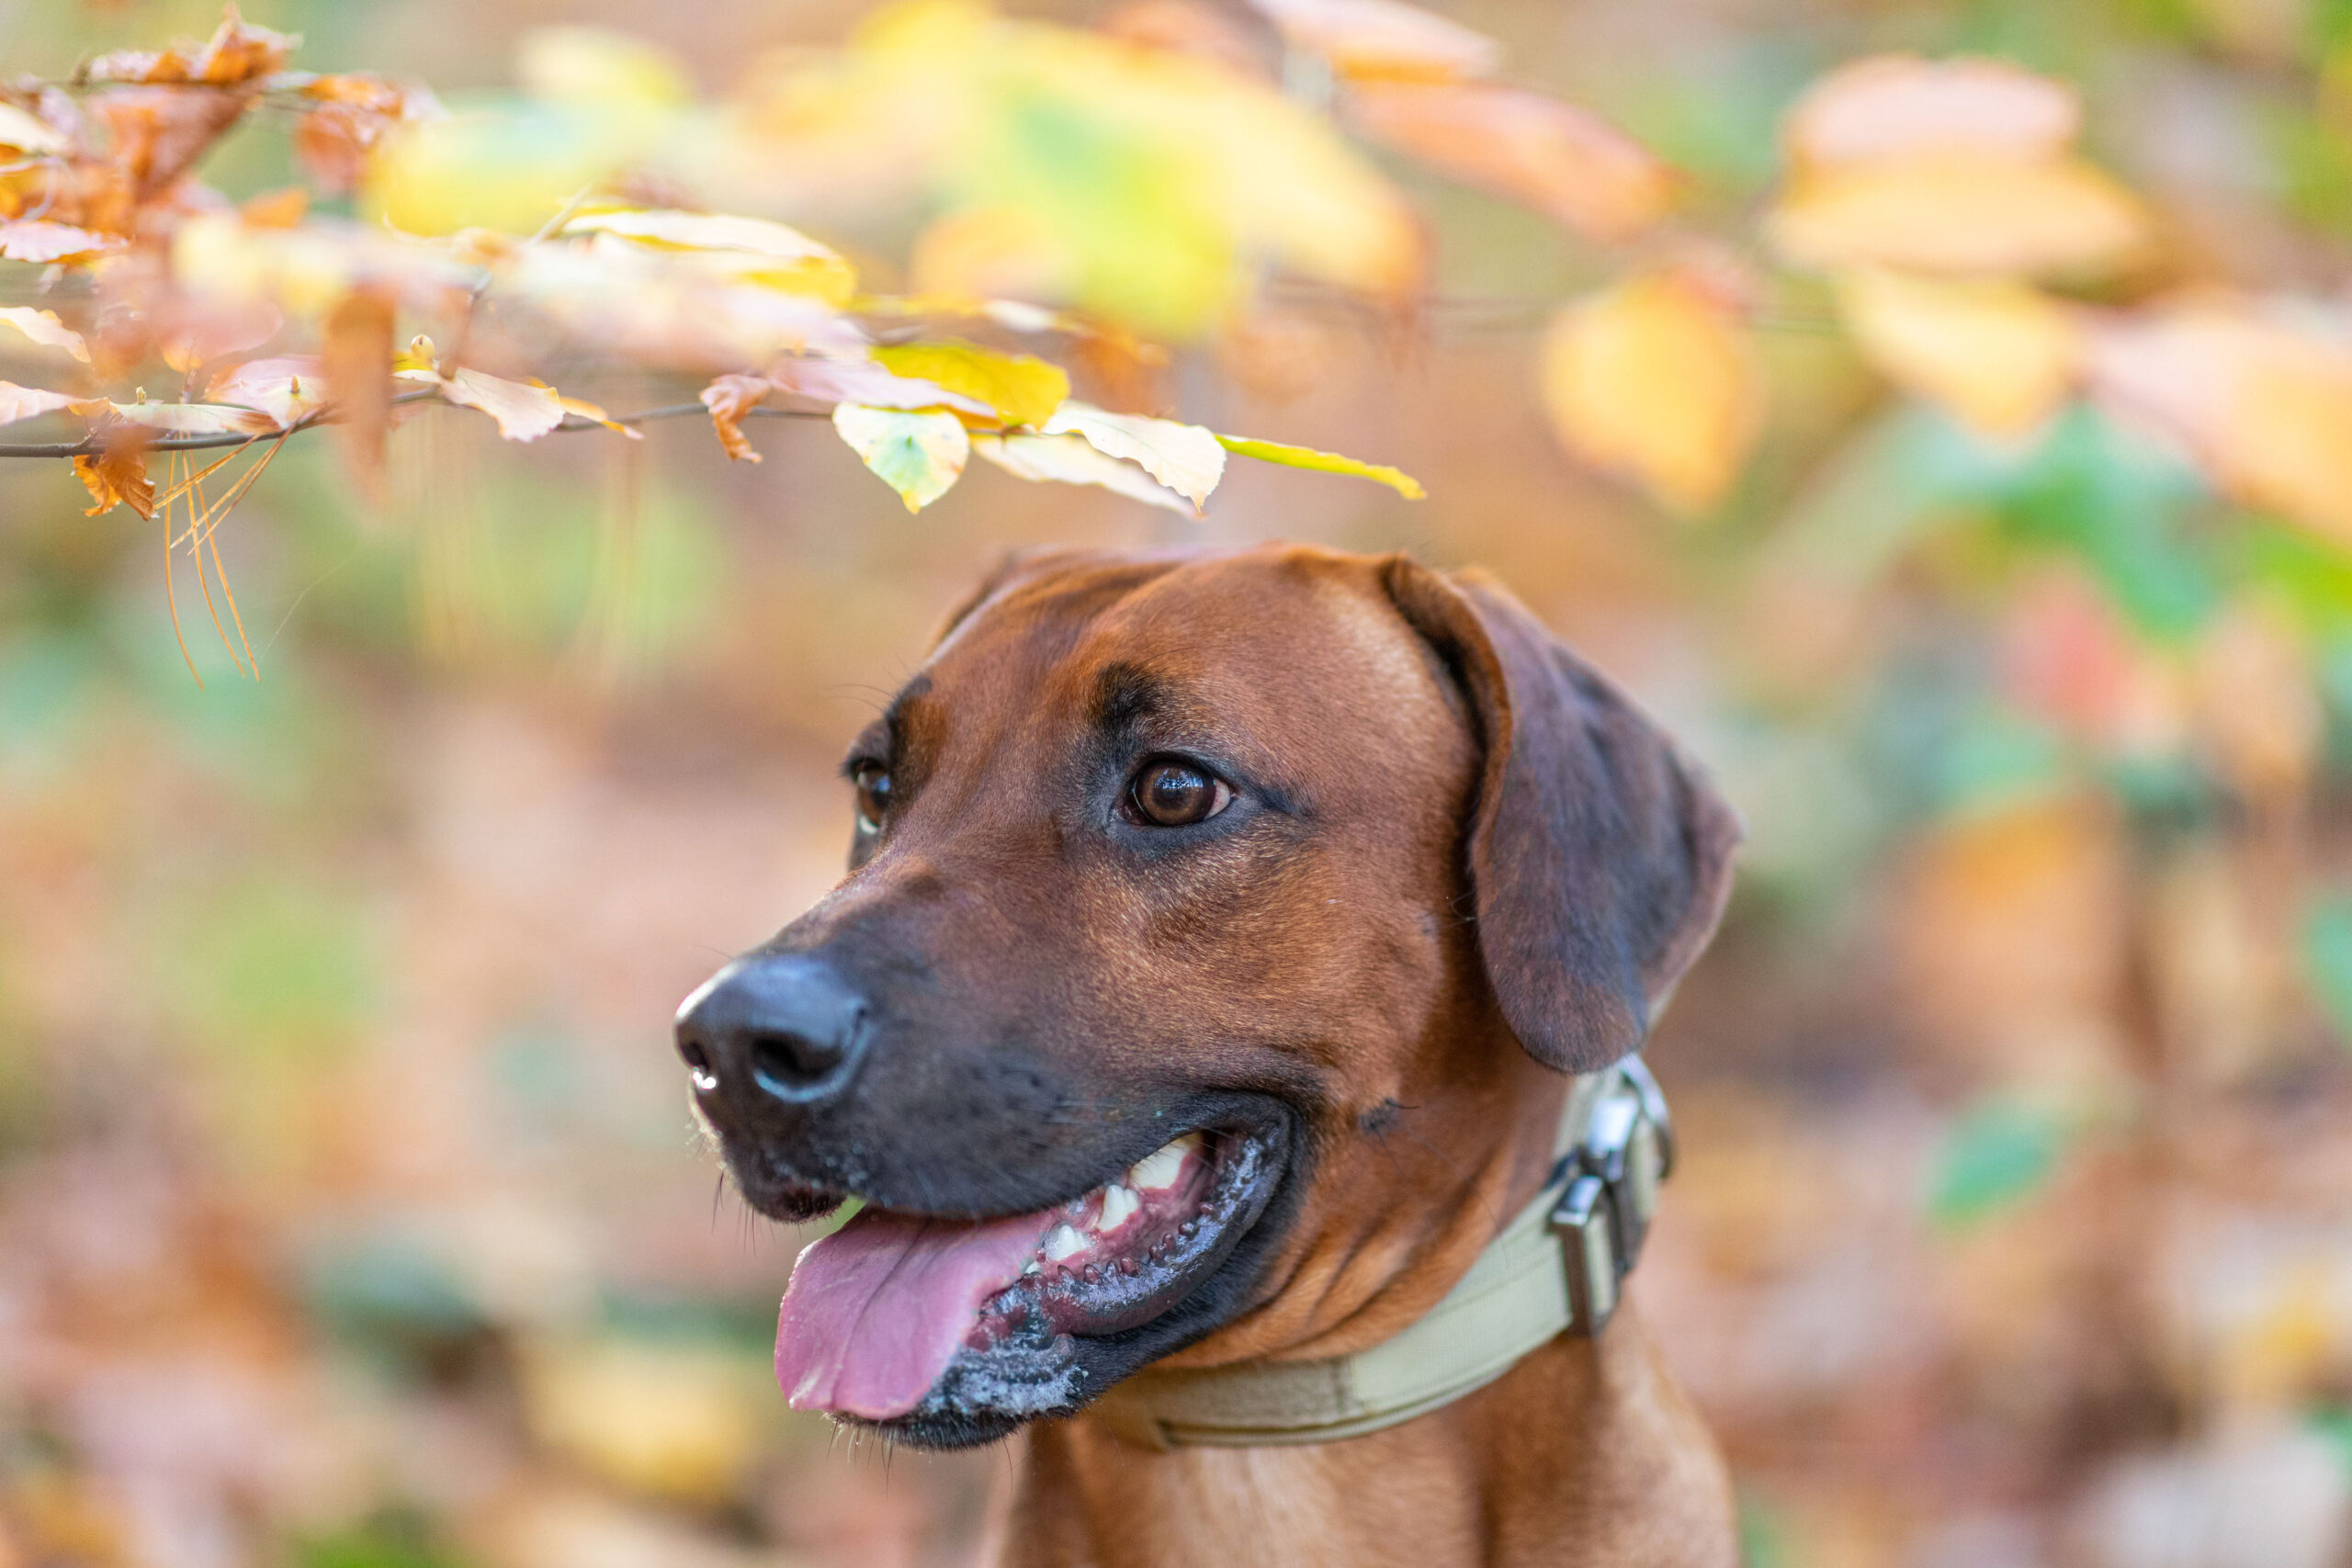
x: 1556, y: 1266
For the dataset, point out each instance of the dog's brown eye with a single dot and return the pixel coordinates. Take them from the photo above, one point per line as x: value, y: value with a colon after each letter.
x: 872, y: 781
x: 1176, y: 794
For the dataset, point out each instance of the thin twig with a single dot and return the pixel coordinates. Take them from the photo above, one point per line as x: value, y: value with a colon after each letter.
x: 90, y: 445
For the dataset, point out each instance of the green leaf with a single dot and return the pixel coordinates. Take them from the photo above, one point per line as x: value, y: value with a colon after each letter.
x: 1290, y: 456
x: 1024, y: 388
x: 1998, y: 1154
x: 2327, y: 957
x: 917, y: 454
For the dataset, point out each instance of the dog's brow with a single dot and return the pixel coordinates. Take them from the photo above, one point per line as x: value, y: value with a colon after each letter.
x: 894, y: 717
x: 1124, y: 695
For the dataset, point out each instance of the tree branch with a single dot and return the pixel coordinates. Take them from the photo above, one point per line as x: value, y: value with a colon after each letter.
x: 91, y: 445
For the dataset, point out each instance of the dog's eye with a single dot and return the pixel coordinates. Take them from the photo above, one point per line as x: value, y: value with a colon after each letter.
x: 872, y: 781
x: 1173, y: 793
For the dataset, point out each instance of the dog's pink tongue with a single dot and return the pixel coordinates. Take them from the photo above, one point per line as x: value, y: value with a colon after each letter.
x: 875, y: 1310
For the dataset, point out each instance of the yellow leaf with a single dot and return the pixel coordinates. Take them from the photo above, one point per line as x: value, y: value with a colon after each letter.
x: 1290, y: 456
x: 581, y: 408
x: 2265, y: 407
x: 830, y: 380
x: 1187, y: 458
x: 1024, y: 389
x: 525, y: 411
x: 754, y: 249
x: 1999, y: 353
x: 1561, y: 160
x: 1893, y: 105
x: 27, y: 402
x: 43, y: 328
x: 21, y: 131
x: 1963, y: 213
x: 1070, y: 459
x: 1655, y: 381
x: 600, y: 68
x: 916, y: 453
x: 1363, y: 38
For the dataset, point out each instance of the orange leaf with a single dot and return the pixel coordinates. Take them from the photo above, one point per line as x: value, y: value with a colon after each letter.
x: 1367, y: 38
x: 1965, y: 213
x: 117, y: 476
x: 728, y: 398
x: 280, y: 209
x: 2266, y: 409
x: 357, y: 358
x: 1655, y: 380
x: 1561, y: 160
x: 1895, y: 105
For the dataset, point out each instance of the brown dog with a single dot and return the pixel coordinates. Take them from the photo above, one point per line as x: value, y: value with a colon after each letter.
x: 1220, y: 934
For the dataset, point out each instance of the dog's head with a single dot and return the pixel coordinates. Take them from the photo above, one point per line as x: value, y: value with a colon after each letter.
x: 1194, y: 905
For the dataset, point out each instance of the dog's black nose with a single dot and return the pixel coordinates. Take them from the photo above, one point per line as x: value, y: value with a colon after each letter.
x: 784, y: 1025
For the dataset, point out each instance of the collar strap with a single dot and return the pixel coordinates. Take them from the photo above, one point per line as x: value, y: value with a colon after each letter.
x: 1557, y: 1266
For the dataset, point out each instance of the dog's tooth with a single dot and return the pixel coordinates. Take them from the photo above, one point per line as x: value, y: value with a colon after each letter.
x: 1162, y: 1166
x: 1065, y: 1242
x: 1034, y: 1267
x: 1118, y: 1203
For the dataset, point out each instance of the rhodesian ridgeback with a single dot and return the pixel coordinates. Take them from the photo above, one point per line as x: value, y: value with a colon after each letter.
x: 1227, y: 941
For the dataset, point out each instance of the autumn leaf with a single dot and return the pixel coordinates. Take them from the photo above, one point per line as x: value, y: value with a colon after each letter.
x: 1561, y: 160
x: 828, y: 380
x: 355, y: 356
x: 758, y: 250
x: 1959, y: 213
x: 43, y: 328
x: 1377, y: 39
x: 288, y: 389
x: 28, y: 402
x: 352, y: 115
x: 728, y: 398
x: 1999, y: 353
x: 1893, y: 105
x: 2266, y: 408
x: 117, y: 476
x: 40, y: 239
x: 595, y: 413
x: 1024, y: 389
x: 190, y: 419
x: 236, y: 53
x: 917, y: 454
x: 525, y: 411
x: 1185, y: 457
x: 195, y: 338
x: 1655, y: 380
x: 1071, y: 459
x: 24, y: 133
x: 1291, y: 456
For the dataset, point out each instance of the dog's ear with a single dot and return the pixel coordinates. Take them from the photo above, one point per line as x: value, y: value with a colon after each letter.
x: 1600, y: 857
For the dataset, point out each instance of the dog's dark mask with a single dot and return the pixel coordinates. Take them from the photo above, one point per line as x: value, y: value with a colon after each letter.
x: 1179, y: 887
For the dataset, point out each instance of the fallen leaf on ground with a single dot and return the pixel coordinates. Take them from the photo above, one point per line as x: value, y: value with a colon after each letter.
x: 1070, y: 459
x: 1999, y: 353
x: 1893, y: 105
x: 1563, y: 161
x: 43, y: 328
x: 1291, y: 456
x: 918, y: 454
x: 1656, y: 379
x: 1024, y: 389
x: 1185, y: 457
x: 1363, y: 38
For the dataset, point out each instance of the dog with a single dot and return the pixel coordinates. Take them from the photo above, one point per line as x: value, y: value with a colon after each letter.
x: 1224, y: 941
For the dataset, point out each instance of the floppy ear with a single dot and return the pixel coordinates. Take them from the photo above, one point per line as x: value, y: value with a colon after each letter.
x: 1599, y: 856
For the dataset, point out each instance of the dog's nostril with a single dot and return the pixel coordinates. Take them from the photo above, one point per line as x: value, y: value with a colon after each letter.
x: 787, y: 1064
x: 706, y: 1076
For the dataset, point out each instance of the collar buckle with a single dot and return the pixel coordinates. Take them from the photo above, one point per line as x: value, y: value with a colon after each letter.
x: 1612, y: 1177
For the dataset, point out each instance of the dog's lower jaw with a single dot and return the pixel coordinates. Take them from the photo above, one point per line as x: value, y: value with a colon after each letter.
x: 1584, y: 1453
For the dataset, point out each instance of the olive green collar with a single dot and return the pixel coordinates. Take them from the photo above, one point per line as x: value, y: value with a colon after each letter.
x: 1556, y: 1266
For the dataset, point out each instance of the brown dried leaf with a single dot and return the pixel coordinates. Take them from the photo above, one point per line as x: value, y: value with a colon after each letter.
x: 117, y: 476
x: 1564, y: 161
x: 1892, y: 105
x: 728, y: 398
x: 1371, y: 38
x: 159, y: 133
x: 357, y: 357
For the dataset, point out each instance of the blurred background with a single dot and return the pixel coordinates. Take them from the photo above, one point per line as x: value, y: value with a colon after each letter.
x: 351, y: 1215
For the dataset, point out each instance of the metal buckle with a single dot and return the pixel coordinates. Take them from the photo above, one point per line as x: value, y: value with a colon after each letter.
x: 1604, y: 1215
